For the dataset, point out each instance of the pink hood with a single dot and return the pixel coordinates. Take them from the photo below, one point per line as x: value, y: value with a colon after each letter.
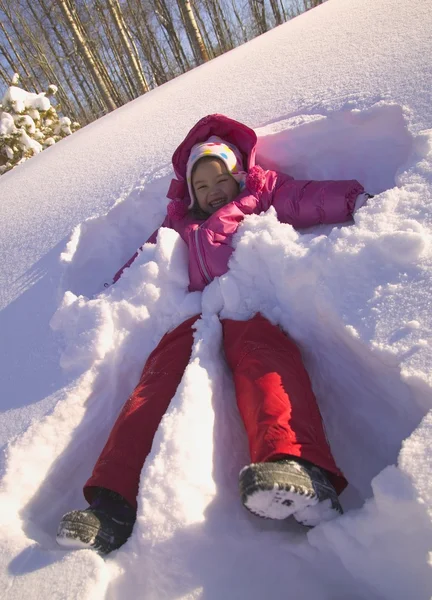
x: 232, y: 131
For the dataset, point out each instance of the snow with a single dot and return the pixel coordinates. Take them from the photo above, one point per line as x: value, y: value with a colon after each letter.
x: 28, y: 143
x: 7, y: 124
x: 26, y: 122
x: 63, y: 126
x: 342, y: 91
x: 20, y: 99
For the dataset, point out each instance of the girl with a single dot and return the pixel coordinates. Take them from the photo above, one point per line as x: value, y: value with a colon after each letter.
x: 292, y: 471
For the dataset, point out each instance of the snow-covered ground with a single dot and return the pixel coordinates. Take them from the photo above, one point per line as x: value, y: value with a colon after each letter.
x: 343, y: 91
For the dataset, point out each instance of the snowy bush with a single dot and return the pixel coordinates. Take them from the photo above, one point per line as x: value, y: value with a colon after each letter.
x: 28, y: 125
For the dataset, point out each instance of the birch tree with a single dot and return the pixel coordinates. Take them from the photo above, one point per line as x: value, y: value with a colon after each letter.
x: 128, y: 45
x: 103, y: 53
x: 86, y: 54
x: 259, y: 15
x: 142, y: 30
x: 276, y: 12
x: 193, y: 31
x: 166, y: 21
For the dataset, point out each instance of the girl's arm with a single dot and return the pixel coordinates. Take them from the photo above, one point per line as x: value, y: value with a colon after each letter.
x: 306, y: 203
x: 300, y: 203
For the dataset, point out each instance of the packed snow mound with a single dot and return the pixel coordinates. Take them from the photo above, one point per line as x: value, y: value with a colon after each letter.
x: 356, y: 298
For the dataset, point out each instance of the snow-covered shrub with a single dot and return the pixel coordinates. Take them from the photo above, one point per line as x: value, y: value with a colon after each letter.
x: 28, y: 125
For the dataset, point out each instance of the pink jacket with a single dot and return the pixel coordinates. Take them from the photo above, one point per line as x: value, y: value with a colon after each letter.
x: 300, y: 203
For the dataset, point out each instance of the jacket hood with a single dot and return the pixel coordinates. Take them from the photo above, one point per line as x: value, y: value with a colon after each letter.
x: 243, y: 137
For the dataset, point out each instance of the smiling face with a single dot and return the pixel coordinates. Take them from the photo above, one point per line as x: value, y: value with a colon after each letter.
x: 213, y: 185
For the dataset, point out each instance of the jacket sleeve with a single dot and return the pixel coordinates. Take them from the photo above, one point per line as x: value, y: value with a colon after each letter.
x: 151, y: 240
x: 307, y: 203
x: 210, y: 245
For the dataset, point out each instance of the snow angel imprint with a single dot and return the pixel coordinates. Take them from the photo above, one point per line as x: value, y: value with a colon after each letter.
x: 292, y: 471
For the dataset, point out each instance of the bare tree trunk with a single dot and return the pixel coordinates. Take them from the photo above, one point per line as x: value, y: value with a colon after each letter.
x: 100, y: 51
x: 193, y: 31
x: 87, y: 56
x: 31, y: 81
x: 117, y: 17
x: 226, y: 26
x: 134, y: 48
x: 308, y: 4
x: 42, y: 61
x: 15, y: 51
x: 89, y: 90
x: 276, y: 12
x: 119, y: 66
x: 165, y: 19
x: 206, y: 36
x: 4, y: 52
x: 283, y: 12
x: 212, y: 12
x: 71, y: 62
x: 219, y: 23
x: 40, y: 57
x: 62, y: 93
x: 239, y: 21
x: 262, y: 13
x: 258, y: 12
x: 4, y: 76
x: 150, y: 46
x: 104, y: 48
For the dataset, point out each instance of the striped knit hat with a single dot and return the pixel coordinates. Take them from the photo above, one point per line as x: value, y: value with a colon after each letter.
x: 218, y: 148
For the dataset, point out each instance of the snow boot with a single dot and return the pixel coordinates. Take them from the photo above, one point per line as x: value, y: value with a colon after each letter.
x: 104, y: 526
x: 291, y: 486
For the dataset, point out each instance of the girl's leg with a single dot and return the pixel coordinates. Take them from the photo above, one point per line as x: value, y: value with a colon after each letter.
x: 113, y: 487
x: 118, y: 468
x: 275, y: 397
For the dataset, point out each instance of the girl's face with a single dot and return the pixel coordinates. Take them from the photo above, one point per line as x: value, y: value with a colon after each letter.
x: 213, y: 184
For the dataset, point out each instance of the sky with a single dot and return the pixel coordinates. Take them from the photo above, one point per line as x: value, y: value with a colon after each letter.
x: 340, y: 92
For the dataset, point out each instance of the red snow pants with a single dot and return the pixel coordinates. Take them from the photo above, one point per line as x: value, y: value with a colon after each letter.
x: 274, y: 398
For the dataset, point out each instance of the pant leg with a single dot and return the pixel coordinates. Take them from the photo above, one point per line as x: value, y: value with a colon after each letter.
x: 119, y: 466
x: 275, y: 397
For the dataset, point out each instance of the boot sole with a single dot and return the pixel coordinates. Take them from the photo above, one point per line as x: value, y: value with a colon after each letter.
x: 76, y: 532
x: 277, y: 503
x: 73, y: 535
x: 294, y: 494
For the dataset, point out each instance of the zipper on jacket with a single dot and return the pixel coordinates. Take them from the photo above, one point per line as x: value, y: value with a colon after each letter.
x: 201, y: 263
